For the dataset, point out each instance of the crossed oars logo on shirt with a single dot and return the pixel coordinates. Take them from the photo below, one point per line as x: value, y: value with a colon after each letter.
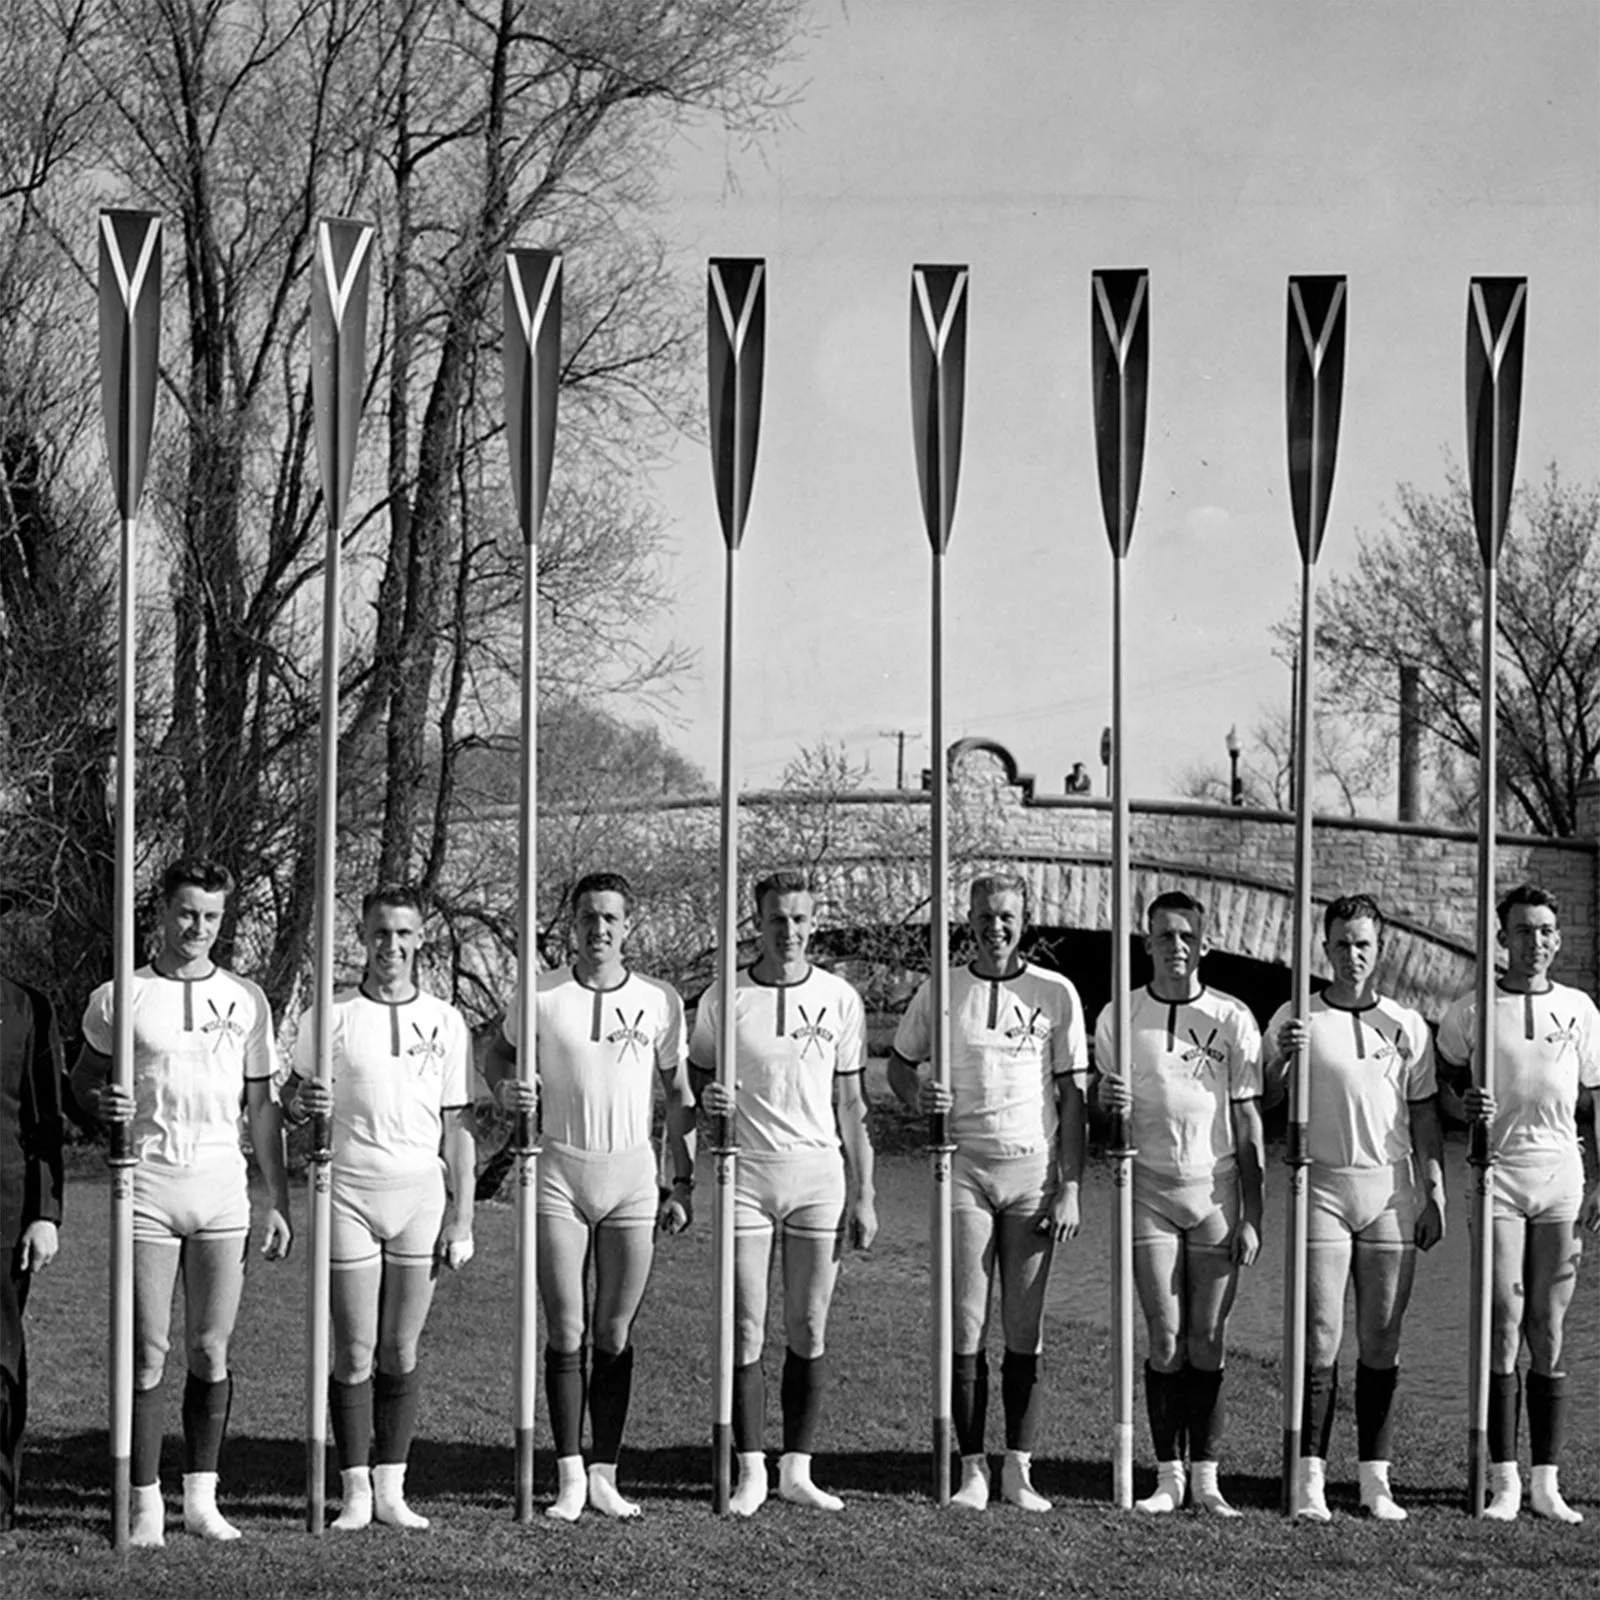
x: 222, y: 1025
x: 812, y: 1033
x: 629, y: 1035
x: 426, y: 1050
x: 1565, y: 1035
x: 1027, y: 1030
x: 1202, y: 1058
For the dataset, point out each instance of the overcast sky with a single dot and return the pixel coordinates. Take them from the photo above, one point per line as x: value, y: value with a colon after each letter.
x: 1223, y: 144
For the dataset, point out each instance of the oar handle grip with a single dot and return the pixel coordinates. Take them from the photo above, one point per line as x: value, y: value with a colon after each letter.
x: 722, y: 1136
x: 119, y: 1145
x: 322, y: 1138
x: 1296, y: 1150
x: 1478, y: 1152
x: 1121, y: 1142
x: 524, y: 1138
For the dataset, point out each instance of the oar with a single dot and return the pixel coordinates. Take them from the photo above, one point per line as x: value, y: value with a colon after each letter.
x: 532, y: 361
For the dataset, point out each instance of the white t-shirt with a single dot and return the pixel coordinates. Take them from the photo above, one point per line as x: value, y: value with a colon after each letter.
x: 790, y: 1042
x: 196, y: 1042
x: 1188, y: 1062
x: 1010, y: 1040
x: 598, y: 1054
x: 1366, y: 1067
x: 397, y: 1067
x: 1546, y: 1048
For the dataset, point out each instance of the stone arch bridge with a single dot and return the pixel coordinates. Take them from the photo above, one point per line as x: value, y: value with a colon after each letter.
x: 870, y: 850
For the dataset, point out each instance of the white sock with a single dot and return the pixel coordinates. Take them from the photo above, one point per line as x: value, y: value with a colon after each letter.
x: 355, y: 1489
x: 973, y: 1495
x: 1310, y: 1496
x: 795, y: 1485
x: 1504, y: 1499
x: 750, y: 1493
x: 1544, y: 1497
x: 147, y: 1517
x: 200, y: 1514
x: 1203, y: 1491
x: 1168, y: 1494
x: 603, y: 1494
x: 571, y: 1486
x: 1016, y: 1482
x: 1376, y: 1498
x: 389, y: 1497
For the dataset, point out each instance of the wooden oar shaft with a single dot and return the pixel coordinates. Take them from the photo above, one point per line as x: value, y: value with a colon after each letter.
x: 319, y: 1175
x: 120, y: 1151
x: 1121, y: 1139
x: 725, y: 1154
x: 525, y: 1399
x: 941, y: 1269
x: 1297, y: 1154
x: 1480, y: 1155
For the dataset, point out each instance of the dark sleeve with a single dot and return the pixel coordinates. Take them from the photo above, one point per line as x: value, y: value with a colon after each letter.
x: 41, y: 1118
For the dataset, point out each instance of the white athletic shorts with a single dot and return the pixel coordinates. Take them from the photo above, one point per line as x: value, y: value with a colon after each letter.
x: 397, y: 1219
x: 1540, y: 1190
x: 1374, y: 1205
x: 1009, y: 1186
x: 1204, y: 1210
x: 798, y: 1191
x: 599, y: 1188
x: 210, y: 1200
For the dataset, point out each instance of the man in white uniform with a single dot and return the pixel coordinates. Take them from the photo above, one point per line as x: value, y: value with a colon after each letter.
x: 606, y: 1036
x: 1018, y: 1065
x: 1375, y: 1188
x: 803, y: 1169
x: 401, y: 1092
x: 1193, y: 1093
x: 202, y: 1047
x: 1547, y: 1064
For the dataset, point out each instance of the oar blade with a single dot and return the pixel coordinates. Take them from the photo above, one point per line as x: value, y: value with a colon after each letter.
x: 1314, y: 389
x: 130, y: 346
x: 341, y: 272
x: 531, y: 357
x: 736, y: 330
x: 1496, y: 327
x: 938, y: 391
x: 1119, y: 368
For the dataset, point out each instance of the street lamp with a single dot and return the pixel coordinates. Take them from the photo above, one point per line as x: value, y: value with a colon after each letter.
x: 1235, y: 787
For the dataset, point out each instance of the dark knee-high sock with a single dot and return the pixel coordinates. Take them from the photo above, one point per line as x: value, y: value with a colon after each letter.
x: 1019, y: 1397
x: 1505, y: 1412
x: 396, y: 1397
x: 749, y: 1408
x: 1204, y: 1413
x: 1316, y: 1415
x: 1547, y: 1417
x: 610, y: 1390
x: 149, y: 1421
x: 563, y: 1393
x: 1375, y: 1411
x: 805, y: 1381
x: 350, y: 1410
x: 205, y: 1419
x: 969, y: 1401
x: 1163, y: 1404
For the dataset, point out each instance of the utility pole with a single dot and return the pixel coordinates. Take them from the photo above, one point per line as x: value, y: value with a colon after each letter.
x: 899, y: 737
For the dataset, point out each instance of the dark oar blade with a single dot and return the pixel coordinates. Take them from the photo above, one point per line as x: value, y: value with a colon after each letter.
x: 130, y: 345
x: 1314, y: 384
x: 531, y: 357
x: 938, y: 391
x: 1496, y: 325
x: 1119, y: 339
x: 340, y: 273
x: 736, y: 327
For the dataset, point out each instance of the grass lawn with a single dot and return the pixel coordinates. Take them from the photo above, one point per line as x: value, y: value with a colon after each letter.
x: 890, y: 1539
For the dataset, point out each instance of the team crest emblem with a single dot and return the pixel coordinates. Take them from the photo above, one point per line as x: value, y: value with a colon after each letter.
x: 425, y: 1052
x: 629, y: 1037
x: 1564, y: 1034
x: 223, y: 1026
x: 1033, y: 1029
x: 812, y: 1033
x: 1202, y: 1059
